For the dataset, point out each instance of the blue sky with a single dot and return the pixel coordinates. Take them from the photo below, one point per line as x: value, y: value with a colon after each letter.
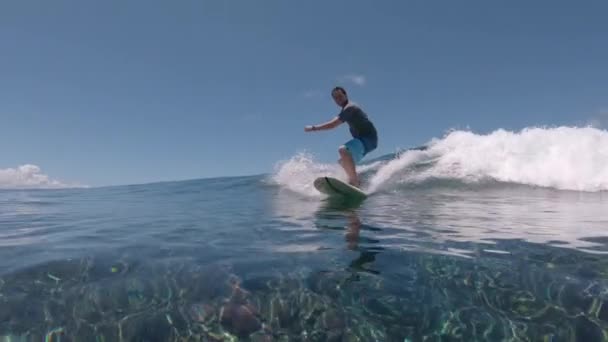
x: 116, y: 92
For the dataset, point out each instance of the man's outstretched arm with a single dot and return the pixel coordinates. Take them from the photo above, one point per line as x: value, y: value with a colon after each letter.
x: 335, y: 122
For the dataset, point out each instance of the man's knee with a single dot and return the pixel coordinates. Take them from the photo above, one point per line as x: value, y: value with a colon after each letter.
x: 343, y: 151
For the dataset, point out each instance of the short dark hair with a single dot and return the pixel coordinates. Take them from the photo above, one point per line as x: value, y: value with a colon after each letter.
x: 339, y: 89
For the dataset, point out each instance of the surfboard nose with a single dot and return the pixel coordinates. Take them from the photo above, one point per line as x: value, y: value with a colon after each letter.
x: 335, y: 187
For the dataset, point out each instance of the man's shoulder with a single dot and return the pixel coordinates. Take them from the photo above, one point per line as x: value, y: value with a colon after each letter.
x: 351, y: 107
x: 350, y: 111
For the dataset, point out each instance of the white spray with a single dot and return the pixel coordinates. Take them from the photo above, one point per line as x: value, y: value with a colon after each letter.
x: 567, y: 158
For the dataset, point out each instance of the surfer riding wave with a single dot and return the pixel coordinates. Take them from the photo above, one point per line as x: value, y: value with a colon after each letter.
x: 363, y: 131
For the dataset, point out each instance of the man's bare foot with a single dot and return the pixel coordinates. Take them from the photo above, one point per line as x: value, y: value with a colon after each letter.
x: 354, y: 183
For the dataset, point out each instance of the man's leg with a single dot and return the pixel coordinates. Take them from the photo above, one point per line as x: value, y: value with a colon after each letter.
x: 346, y: 160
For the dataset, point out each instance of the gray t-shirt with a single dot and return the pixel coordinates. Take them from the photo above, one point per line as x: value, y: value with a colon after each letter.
x: 360, y: 125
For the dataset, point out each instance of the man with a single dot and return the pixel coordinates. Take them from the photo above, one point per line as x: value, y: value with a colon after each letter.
x: 365, y: 138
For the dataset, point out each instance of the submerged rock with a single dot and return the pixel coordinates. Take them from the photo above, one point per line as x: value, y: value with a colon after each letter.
x: 239, y: 319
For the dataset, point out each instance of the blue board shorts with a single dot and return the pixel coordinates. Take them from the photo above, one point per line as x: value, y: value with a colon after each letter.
x: 356, y: 149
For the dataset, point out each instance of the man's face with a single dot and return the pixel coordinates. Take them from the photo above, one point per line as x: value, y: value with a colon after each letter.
x: 339, y: 98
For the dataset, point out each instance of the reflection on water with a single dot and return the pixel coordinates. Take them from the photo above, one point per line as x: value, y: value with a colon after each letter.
x: 430, y: 219
x: 341, y: 211
x: 165, y: 263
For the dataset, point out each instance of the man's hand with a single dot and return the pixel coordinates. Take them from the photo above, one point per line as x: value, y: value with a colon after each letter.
x: 328, y: 125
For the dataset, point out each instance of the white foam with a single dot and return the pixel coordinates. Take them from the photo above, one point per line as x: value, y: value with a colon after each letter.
x: 567, y: 158
x: 298, y: 173
x: 394, y: 169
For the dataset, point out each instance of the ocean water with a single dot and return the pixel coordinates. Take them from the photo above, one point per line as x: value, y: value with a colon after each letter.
x: 498, y: 237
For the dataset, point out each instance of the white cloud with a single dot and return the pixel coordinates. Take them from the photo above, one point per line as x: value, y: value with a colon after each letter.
x: 355, y: 79
x: 27, y: 176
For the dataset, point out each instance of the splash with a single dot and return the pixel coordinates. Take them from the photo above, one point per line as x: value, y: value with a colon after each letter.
x: 298, y: 173
x: 565, y: 158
